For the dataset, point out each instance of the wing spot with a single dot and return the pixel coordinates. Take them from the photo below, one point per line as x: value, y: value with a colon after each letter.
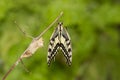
x: 69, y: 50
x: 53, y: 39
x: 49, y: 50
x: 49, y: 56
x: 51, y: 43
x: 66, y: 39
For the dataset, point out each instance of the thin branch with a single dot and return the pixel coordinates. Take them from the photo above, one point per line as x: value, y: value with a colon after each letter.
x: 34, y: 45
x: 50, y: 25
x: 12, y: 67
x: 24, y: 66
x: 23, y: 31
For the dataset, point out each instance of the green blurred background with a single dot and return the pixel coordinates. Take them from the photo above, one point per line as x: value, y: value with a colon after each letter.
x: 94, y: 28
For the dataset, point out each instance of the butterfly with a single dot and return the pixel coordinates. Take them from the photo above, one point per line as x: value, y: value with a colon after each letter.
x: 60, y: 40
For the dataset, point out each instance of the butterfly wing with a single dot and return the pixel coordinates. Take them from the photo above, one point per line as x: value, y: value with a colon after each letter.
x: 53, y: 46
x: 65, y: 45
x: 60, y: 40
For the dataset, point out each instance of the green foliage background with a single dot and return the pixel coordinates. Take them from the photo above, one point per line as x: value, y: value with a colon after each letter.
x: 94, y: 27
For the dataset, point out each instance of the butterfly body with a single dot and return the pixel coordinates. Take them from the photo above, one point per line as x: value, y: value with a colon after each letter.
x: 60, y: 40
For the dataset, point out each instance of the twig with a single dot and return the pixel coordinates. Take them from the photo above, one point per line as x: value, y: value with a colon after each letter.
x: 23, y: 31
x: 12, y: 67
x: 50, y: 25
x: 24, y: 66
x: 34, y: 45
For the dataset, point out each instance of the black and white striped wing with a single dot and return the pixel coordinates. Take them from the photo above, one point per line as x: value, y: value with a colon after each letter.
x: 53, y: 46
x: 60, y: 40
x: 65, y: 46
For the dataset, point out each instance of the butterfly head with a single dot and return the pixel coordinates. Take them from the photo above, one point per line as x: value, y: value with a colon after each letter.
x: 60, y: 26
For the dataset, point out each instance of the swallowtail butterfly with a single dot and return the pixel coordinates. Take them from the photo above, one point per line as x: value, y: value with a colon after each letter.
x: 60, y: 40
